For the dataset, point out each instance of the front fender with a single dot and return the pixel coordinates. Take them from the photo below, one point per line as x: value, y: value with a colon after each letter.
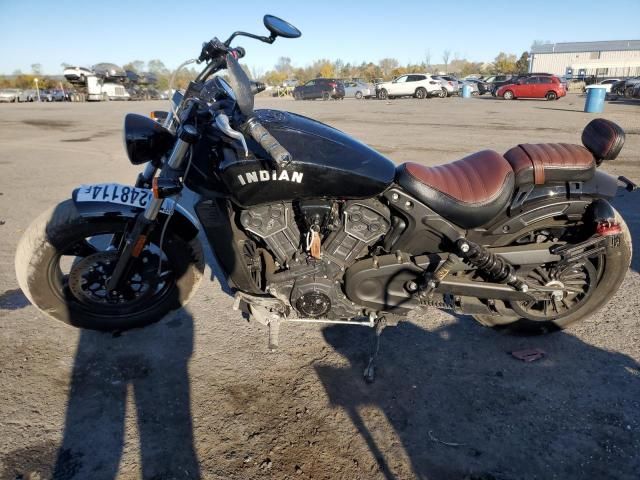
x: 182, y: 221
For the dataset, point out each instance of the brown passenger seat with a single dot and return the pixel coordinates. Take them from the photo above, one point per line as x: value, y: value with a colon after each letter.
x: 550, y: 162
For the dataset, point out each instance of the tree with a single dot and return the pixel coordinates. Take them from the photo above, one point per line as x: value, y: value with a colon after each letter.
x: 64, y: 65
x: 445, y: 58
x: 135, y: 66
x: 36, y: 69
x: 387, y: 65
x: 522, y: 65
x: 156, y: 66
x: 284, y: 65
x: 505, y: 63
x: 427, y: 59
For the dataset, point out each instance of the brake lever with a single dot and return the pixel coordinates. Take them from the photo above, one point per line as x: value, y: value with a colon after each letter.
x: 222, y: 122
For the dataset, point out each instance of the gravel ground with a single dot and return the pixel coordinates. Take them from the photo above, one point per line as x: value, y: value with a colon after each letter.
x: 199, y: 396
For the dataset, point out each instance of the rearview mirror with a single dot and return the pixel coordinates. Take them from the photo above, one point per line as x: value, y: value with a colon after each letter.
x: 280, y: 28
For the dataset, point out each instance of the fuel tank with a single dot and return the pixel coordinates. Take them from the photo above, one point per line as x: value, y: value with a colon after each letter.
x: 326, y: 163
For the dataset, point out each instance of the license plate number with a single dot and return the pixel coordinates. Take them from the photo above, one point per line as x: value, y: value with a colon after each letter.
x: 114, y: 193
x: 121, y: 195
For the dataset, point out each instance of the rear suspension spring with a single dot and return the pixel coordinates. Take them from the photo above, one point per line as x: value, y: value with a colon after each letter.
x: 493, y: 266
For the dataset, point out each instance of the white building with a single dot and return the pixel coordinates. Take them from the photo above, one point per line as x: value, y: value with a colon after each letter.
x: 618, y: 58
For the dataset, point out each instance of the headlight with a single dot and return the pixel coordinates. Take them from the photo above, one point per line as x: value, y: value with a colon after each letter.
x: 145, y: 139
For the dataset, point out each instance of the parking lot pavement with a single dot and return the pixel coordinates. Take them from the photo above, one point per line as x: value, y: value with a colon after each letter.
x: 199, y: 396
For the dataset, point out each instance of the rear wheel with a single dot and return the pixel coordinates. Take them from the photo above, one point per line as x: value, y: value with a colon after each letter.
x: 358, y: 95
x: 326, y: 96
x: 508, y: 95
x: 551, y: 95
x: 64, y: 260
x: 442, y: 93
x: 421, y: 93
x: 580, y: 288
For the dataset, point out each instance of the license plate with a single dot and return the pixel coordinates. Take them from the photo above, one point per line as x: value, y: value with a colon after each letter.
x: 121, y: 195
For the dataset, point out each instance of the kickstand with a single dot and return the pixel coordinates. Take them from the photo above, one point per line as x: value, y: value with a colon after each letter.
x: 370, y: 371
x: 274, y: 334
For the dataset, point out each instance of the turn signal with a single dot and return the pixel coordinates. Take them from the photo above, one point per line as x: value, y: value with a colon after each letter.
x: 165, y: 187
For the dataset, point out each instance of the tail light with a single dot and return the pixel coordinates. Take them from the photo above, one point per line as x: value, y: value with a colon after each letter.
x: 333, y: 84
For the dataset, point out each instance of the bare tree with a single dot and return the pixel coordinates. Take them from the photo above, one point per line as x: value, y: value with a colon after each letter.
x: 387, y: 65
x: 445, y: 58
x: 284, y: 65
x: 36, y: 69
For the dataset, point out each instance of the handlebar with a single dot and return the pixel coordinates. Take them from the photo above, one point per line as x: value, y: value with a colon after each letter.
x: 260, y: 134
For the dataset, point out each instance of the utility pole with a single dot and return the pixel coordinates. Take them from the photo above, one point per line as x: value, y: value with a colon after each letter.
x: 37, y: 89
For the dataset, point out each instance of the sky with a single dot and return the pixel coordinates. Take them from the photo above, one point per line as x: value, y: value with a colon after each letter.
x: 115, y: 31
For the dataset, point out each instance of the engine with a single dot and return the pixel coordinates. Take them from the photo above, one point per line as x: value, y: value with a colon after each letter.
x: 309, y: 278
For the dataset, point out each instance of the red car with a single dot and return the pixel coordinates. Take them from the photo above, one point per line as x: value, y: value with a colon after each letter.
x: 548, y: 87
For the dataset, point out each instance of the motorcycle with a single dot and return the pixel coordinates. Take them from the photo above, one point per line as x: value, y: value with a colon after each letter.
x: 310, y: 225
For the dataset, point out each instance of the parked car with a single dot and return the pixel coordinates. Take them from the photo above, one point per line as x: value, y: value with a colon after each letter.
x: 30, y: 95
x: 513, y: 79
x: 480, y: 85
x: 450, y: 83
x: 324, y: 88
x: 548, y: 87
x: 58, y: 96
x: 418, y: 85
x: 472, y: 85
x: 358, y: 89
x: 626, y: 87
x: 76, y: 74
x: 9, y: 95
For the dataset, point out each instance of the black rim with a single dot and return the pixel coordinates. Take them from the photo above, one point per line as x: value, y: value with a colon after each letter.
x: 254, y: 263
x: 79, y: 272
x: 573, y: 285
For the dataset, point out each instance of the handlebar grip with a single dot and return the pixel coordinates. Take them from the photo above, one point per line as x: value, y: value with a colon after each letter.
x: 268, y: 142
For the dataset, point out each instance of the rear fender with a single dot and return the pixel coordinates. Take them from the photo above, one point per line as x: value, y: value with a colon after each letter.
x: 182, y: 222
x: 534, y: 204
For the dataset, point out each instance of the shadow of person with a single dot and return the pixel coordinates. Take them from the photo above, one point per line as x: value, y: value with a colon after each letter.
x: 146, y: 369
x: 462, y: 408
x: 628, y: 204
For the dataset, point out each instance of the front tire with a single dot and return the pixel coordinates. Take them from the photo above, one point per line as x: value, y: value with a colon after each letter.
x: 358, y: 95
x: 383, y: 94
x: 508, y: 95
x: 61, y: 239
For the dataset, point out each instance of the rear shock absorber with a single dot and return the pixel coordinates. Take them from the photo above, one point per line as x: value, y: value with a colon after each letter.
x: 495, y: 268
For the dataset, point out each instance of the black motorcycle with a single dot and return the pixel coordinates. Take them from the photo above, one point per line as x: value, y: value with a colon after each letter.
x: 311, y: 225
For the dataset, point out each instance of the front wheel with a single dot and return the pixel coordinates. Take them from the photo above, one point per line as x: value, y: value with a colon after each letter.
x: 64, y: 261
x: 508, y: 95
x: 326, y: 96
x: 383, y: 94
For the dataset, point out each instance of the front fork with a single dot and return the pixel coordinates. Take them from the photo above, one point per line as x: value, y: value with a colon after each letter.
x: 145, y: 222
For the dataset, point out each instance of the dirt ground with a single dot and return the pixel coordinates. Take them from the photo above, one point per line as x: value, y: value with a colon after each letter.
x: 199, y: 396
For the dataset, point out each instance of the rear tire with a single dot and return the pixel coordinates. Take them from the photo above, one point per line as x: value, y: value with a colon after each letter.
x: 326, y: 96
x: 38, y: 270
x: 358, y: 95
x: 442, y: 93
x: 421, y: 93
x: 617, y: 263
x: 551, y: 95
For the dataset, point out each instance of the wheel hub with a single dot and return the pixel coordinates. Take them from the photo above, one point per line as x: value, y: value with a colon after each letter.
x: 89, y: 277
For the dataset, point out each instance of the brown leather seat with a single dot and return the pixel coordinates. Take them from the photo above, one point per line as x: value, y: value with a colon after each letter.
x: 550, y: 162
x: 468, y: 192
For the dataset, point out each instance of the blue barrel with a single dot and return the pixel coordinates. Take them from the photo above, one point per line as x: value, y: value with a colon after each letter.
x: 466, y: 91
x: 595, y: 99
